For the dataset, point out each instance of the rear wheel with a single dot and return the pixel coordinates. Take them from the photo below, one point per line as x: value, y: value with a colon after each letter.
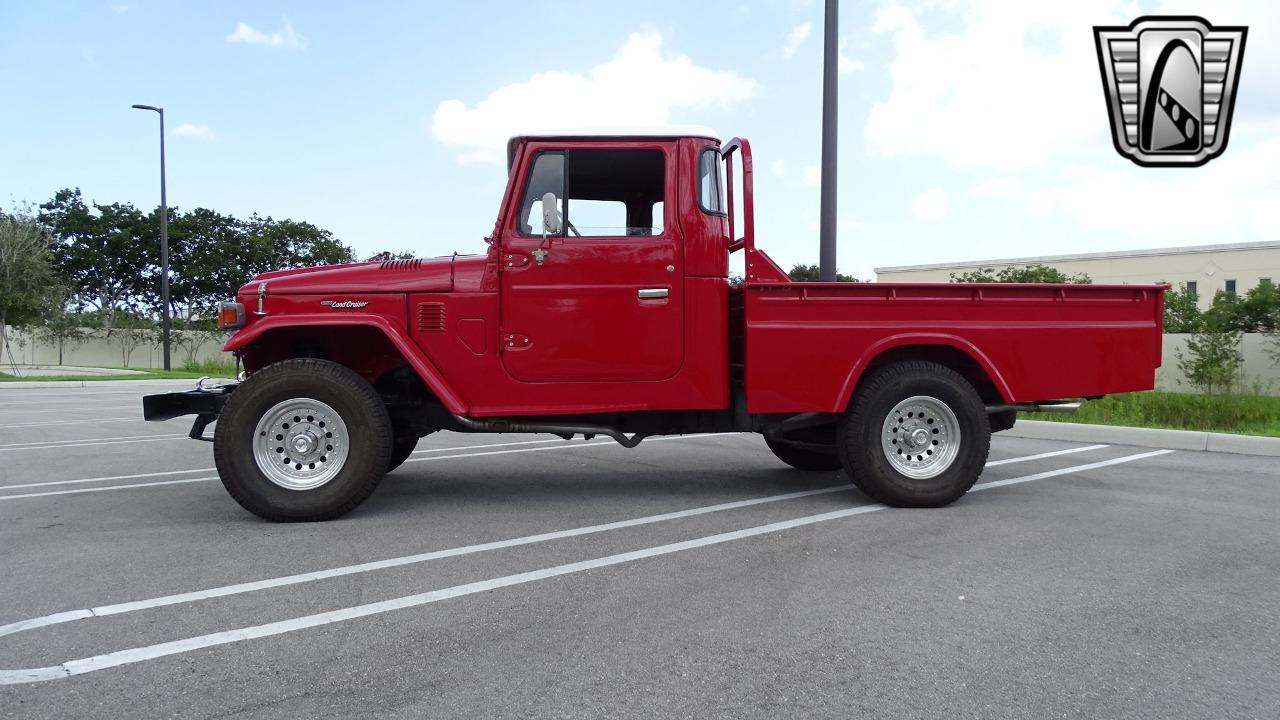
x: 916, y: 435
x: 302, y: 440
x: 804, y: 457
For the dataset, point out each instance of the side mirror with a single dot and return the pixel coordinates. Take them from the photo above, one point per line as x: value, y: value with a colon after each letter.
x: 550, y: 215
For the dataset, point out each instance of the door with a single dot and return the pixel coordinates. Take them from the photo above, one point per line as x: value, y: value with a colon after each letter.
x: 598, y: 298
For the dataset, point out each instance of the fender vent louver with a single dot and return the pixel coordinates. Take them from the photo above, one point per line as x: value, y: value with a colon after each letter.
x: 411, y: 264
x: 431, y: 317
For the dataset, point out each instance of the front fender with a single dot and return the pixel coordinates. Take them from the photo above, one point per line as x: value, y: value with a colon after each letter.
x: 414, y: 356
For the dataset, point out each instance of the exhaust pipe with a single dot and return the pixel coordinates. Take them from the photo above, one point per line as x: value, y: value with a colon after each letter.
x: 1062, y: 407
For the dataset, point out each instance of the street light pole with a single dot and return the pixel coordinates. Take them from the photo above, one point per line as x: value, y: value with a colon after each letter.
x: 164, y: 242
x: 827, y: 209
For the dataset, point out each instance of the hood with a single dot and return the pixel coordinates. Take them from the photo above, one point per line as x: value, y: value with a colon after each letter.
x: 392, y: 276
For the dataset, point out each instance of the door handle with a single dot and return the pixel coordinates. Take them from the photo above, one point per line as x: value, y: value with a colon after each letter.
x: 652, y: 293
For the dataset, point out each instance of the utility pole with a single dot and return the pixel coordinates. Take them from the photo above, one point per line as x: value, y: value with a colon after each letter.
x: 164, y: 242
x: 827, y: 211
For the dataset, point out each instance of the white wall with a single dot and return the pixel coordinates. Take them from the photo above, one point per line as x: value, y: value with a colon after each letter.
x: 105, y: 352
x: 1259, y: 369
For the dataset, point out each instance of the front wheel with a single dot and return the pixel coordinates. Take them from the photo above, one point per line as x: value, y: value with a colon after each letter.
x: 401, y: 449
x: 302, y: 440
x: 916, y: 435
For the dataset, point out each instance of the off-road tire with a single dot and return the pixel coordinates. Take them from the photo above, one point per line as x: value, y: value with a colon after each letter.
x: 859, y: 435
x: 803, y: 458
x: 356, y: 403
x: 401, y: 449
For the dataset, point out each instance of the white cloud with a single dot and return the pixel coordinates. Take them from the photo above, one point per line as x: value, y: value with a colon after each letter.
x: 192, y: 130
x: 813, y: 175
x: 998, y: 187
x: 778, y: 168
x: 931, y: 205
x: 1233, y: 197
x: 1018, y: 82
x: 845, y: 64
x: 795, y: 40
x: 121, y: 9
x: 641, y: 85
x: 285, y: 37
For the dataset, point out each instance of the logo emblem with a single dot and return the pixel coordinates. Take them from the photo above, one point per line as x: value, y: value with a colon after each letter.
x: 1170, y: 84
x: 343, y: 304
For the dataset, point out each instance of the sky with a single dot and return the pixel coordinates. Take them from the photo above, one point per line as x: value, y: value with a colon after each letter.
x: 968, y: 129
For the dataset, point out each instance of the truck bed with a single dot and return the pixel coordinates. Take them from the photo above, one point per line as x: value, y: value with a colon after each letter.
x: 804, y: 345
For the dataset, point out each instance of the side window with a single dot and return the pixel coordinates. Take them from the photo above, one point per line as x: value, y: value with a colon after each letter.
x: 547, y: 176
x: 615, y: 193
x: 710, y: 187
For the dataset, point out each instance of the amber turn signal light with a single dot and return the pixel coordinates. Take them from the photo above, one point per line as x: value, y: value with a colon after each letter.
x: 230, y: 315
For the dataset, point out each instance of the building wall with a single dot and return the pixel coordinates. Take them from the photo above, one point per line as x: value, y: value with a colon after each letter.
x: 105, y: 352
x: 1210, y: 269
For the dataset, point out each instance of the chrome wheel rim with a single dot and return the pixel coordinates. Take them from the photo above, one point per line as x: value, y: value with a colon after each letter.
x: 920, y: 437
x: 300, y: 444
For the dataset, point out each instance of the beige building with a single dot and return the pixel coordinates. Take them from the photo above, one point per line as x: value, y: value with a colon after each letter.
x: 1236, y: 267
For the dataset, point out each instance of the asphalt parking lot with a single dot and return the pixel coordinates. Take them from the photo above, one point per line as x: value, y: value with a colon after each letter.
x: 517, y: 576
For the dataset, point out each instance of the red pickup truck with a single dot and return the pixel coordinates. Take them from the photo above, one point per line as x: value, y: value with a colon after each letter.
x: 604, y: 306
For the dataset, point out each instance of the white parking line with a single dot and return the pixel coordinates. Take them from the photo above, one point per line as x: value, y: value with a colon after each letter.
x: 1055, y: 453
x: 72, y: 422
x: 150, y: 652
x: 398, y: 561
x: 63, y: 444
x: 209, y: 469
x: 405, y: 560
x: 566, y: 446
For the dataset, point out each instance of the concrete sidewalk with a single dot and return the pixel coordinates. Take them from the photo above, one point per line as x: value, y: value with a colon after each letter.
x: 1146, y: 437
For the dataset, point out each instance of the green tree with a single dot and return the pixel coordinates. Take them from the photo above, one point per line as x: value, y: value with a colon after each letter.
x: 1181, y: 313
x: 104, y: 253
x: 1027, y: 274
x: 1257, y: 311
x: 1212, y: 360
x: 29, y: 287
x: 191, y: 335
x: 809, y: 273
x: 62, y: 329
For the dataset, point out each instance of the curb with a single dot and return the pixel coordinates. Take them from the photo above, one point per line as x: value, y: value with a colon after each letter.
x: 122, y: 384
x: 1194, y: 440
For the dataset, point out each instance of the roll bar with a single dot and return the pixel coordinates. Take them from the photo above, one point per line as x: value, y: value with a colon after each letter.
x: 748, y: 239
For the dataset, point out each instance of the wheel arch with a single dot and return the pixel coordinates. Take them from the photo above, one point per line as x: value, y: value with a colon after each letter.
x: 948, y: 350
x: 367, y: 344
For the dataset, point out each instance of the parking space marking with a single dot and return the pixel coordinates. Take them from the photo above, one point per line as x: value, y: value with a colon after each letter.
x: 79, y: 491
x: 257, y: 585
x: 104, y: 479
x: 71, y: 422
x: 396, y: 562
x: 567, y: 446
x: 64, y: 444
x: 1043, y: 455
x: 151, y: 652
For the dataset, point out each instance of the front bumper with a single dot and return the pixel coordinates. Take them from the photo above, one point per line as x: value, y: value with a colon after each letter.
x: 205, y: 403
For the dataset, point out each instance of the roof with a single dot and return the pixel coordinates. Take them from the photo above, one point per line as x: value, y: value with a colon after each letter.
x: 628, y: 132
x: 1188, y: 250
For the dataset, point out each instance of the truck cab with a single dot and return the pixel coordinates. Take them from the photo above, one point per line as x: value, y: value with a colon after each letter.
x: 602, y: 305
